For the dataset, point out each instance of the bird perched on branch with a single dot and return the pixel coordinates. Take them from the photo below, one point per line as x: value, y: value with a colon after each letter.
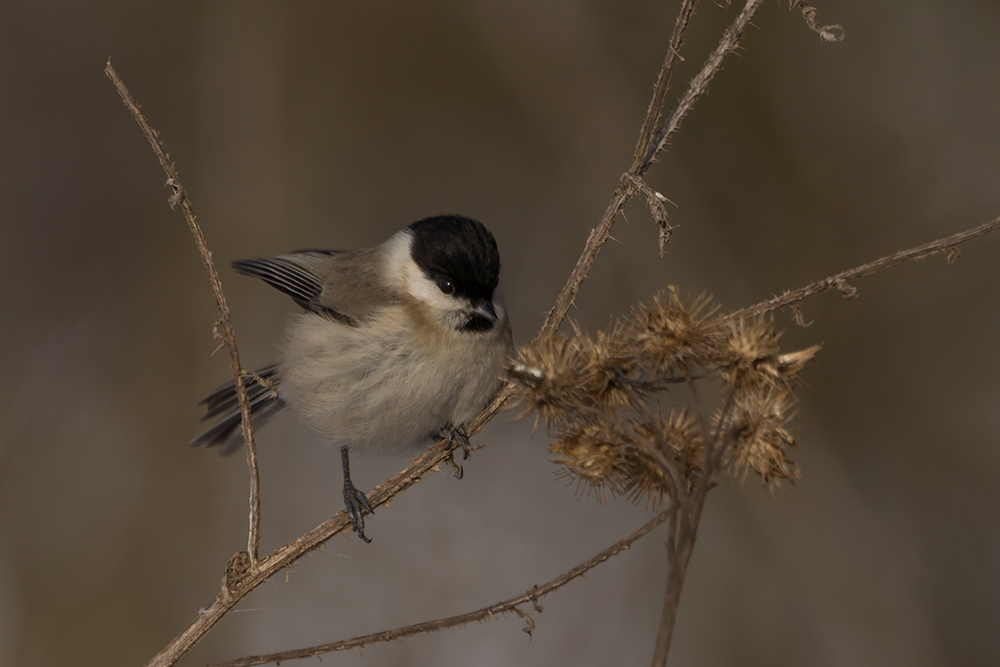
x: 396, y: 344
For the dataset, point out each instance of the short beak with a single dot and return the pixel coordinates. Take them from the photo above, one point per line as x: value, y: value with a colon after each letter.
x: 485, y: 310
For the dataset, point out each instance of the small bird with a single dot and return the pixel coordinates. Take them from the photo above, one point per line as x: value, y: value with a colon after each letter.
x: 395, y: 345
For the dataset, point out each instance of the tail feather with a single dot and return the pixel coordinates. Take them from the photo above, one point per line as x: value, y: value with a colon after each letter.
x: 224, y: 398
x: 227, y: 432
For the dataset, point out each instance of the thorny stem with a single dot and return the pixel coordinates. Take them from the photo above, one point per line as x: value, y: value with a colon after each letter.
x: 631, y: 180
x: 224, y: 327
x: 699, y: 412
x: 840, y: 281
x: 713, y: 455
x: 631, y: 183
x: 598, y: 236
x: 674, y: 478
x: 672, y: 536
x: 700, y: 83
x: 230, y: 595
x: 684, y: 530
x: 667, y: 461
x: 485, y: 614
x: 655, y: 109
x: 678, y: 556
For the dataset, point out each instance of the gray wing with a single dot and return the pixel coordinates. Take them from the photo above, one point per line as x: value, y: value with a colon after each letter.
x: 298, y: 274
x: 341, y: 285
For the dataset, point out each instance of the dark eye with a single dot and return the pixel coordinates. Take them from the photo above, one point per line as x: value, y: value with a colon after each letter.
x: 446, y: 286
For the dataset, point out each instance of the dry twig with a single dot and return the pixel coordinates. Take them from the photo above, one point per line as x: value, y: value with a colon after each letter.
x: 224, y: 327
x: 841, y: 281
x: 828, y: 33
x: 649, y: 150
x: 532, y: 596
x: 700, y: 83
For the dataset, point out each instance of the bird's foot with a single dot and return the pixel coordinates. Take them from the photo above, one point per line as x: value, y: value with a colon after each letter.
x: 457, y: 434
x: 356, y: 504
x: 453, y: 434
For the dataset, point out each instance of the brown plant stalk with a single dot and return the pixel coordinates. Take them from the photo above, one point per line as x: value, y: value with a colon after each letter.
x: 840, y: 281
x: 489, y: 613
x: 649, y: 148
x: 685, y: 532
x: 224, y: 326
x: 730, y: 39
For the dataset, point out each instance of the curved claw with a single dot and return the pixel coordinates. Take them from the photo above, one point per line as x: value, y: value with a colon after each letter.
x: 456, y: 470
x: 356, y: 504
x: 457, y: 434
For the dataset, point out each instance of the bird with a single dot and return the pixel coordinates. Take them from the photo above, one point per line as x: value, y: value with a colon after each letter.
x: 393, y: 345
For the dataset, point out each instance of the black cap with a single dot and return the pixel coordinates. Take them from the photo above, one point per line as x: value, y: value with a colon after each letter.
x: 460, y: 250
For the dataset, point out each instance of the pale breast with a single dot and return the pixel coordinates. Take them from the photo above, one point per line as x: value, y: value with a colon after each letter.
x: 379, y: 387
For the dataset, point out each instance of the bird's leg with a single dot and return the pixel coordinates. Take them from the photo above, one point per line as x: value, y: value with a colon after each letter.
x: 354, y: 501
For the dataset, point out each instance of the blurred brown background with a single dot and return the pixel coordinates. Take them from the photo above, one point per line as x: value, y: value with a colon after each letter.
x: 333, y: 124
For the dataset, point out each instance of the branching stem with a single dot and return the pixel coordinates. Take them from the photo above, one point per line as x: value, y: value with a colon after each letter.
x: 532, y: 595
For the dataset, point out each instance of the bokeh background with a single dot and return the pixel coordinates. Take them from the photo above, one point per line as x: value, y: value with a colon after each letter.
x: 333, y: 124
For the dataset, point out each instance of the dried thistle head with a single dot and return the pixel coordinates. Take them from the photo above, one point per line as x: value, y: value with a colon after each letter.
x: 756, y: 428
x: 628, y: 458
x: 749, y: 355
x: 681, y: 431
x: 578, y: 376
x: 594, y: 392
x: 744, y: 342
x: 671, y: 446
x: 605, y: 379
x: 595, y: 453
x: 671, y: 337
x: 556, y: 392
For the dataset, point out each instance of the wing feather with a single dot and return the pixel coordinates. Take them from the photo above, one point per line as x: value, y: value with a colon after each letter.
x: 344, y: 286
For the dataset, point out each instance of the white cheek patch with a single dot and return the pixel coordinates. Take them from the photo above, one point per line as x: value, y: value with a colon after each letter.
x: 395, y: 255
x: 407, y: 277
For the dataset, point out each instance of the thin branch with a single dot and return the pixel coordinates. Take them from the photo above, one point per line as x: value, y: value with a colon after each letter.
x: 668, y: 614
x: 713, y: 455
x: 662, y: 83
x: 699, y: 413
x: 841, y: 280
x: 676, y: 573
x: 532, y: 595
x: 828, y: 33
x: 667, y: 461
x: 600, y: 234
x: 679, y: 551
x: 672, y: 537
x: 224, y: 327
x: 236, y: 588
x: 699, y: 84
